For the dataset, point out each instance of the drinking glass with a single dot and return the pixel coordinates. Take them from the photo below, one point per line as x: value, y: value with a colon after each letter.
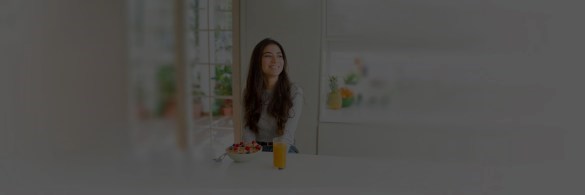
x: 280, y: 148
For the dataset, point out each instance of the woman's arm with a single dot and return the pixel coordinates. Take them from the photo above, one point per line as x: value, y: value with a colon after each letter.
x: 294, y: 114
x: 248, y: 135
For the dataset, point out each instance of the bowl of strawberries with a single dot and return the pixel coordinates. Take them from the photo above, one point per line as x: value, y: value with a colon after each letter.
x: 243, y: 152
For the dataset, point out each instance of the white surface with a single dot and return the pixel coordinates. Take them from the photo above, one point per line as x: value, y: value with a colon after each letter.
x: 304, y: 173
x: 444, y: 142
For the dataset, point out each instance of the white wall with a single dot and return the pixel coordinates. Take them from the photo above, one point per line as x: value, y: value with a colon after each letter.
x: 483, y: 81
x: 296, y: 25
x: 64, y: 78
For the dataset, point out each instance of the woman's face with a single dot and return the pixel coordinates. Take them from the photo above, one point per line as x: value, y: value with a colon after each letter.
x: 272, y: 61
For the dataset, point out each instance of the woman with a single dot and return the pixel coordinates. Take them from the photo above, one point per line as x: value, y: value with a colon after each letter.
x: 272, y: 104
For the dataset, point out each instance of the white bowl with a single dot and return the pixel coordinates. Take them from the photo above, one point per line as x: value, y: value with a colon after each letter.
x: 242, y: 157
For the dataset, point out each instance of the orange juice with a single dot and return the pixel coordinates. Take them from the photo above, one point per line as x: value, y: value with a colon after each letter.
x: 279, y: 152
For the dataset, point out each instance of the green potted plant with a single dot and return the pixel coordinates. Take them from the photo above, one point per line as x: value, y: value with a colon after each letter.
x: 223, y: 87
x: 223, y: 78
x: 227, y: 108
x: 167, y: 88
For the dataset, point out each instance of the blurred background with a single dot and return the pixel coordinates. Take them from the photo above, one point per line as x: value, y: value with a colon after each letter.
x: 466, y: 81
x: 115, y: 78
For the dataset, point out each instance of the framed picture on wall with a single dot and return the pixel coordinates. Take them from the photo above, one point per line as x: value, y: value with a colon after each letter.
x: 358, y: 85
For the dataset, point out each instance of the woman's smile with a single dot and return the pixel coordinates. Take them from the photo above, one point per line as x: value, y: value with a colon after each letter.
x: 272, y: 60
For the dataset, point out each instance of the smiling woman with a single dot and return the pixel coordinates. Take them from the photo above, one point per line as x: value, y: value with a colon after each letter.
x: 272, y: 103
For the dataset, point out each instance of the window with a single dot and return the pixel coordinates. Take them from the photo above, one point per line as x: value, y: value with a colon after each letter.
x: 212, y: 70
x: 184, y: 65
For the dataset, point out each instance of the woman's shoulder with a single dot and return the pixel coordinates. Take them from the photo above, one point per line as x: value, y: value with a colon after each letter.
x: 295, y: 89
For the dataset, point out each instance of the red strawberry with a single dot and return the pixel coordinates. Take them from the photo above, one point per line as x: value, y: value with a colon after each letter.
x: 247, y: 148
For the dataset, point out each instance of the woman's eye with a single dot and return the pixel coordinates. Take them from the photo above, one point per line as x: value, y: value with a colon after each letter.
x: 280, y: 56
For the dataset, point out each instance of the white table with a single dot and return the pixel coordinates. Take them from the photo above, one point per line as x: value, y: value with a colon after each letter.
x: 304, y: 174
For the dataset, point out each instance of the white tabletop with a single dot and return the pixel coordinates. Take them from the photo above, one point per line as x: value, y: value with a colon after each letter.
x: 307, y: 174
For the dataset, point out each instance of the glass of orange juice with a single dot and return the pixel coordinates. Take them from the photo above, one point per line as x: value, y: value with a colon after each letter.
x: 280, y: 148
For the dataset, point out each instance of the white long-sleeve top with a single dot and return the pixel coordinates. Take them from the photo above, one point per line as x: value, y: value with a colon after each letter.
x: 267, y: 123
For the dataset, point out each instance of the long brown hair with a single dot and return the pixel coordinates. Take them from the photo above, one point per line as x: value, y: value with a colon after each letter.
x: 281, y: 101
